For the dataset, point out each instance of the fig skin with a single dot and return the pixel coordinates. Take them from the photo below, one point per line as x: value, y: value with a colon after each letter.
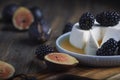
x: 8, y: 11
x: 39, y: 18
x: 6, y: 70
x: 38, y: 32
x: 37, y: 13
x: 58, y: 66
x: 42, y: 34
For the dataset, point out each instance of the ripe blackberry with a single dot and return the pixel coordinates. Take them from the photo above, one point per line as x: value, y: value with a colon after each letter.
x: 108, y: 18
x: 67, y: 28
x: 86, y: 21
x: 118, y: 52
x: 42, y: 50
x: 108, y: 48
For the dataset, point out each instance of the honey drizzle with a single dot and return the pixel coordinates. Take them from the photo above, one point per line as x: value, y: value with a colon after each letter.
x: 66, y: 45
x: 99, y: 42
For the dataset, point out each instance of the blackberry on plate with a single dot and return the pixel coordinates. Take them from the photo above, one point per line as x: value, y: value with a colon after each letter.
x: 67, y: 28
x: 86, y: 21
x: 43, y: 50
x: 108, y: 48
x: 108, y: 18
x: 118, y: 52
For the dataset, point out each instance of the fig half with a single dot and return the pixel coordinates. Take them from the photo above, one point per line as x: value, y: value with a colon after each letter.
x: 22, y: 18
x: 6, y: 70
x: 60, y: 61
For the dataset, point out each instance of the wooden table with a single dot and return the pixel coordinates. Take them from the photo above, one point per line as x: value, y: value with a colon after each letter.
x: 18, y: 50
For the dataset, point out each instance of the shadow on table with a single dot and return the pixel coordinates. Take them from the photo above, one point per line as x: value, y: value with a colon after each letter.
x: 70, y: 77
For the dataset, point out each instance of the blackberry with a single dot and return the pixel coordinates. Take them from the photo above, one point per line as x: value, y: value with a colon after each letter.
x: 118, y: 52
x: 108, y: 48
x: 108, y: 18
x: 86, y: 21
x: 67, y: 28
x: 43, y: 50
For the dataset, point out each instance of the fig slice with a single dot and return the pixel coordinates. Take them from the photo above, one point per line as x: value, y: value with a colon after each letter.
x: 22, y: 18
x: 60, y: 61
x: 6, y: 70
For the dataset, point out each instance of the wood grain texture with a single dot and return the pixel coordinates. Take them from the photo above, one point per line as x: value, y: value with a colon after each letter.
x: 18, y: 50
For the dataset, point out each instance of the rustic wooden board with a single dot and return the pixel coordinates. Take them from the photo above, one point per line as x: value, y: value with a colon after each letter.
x: 18, y: 50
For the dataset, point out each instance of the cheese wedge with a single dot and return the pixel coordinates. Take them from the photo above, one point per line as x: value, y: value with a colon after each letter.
x: 96, y: 32
x: 91, y: 45
x: 78, y: 37
x: 117, y: 26
x: 111, y: 33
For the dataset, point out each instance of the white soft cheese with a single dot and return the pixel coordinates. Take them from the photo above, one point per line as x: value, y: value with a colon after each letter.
x: 111, y: 32
x: 91, y: 45
x: 98, y: 31
x: 78, y: 37
x: 117, y: 26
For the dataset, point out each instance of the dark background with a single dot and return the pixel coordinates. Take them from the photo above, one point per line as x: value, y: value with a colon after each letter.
x: 52, y: 8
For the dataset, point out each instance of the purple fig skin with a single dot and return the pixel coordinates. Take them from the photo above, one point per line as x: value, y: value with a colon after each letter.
x: 37, y: 13
x: 58, y: 67
x: 8, y: 11
x: 38, y: 32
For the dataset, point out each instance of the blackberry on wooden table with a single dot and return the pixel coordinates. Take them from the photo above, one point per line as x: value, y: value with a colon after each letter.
x: 67, y: 28
x: 43, y: 50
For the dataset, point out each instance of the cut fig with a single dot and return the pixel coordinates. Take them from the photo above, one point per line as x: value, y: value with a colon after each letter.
x: 6, y: 70
x: 38, y: 32
x: 8, y: 11
x: 22, y: 18
x: 60, y: 61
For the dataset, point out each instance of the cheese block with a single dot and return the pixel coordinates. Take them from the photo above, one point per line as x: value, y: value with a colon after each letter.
x: 91, y: 45
x: 78, y: 37
x: 111, y: 32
